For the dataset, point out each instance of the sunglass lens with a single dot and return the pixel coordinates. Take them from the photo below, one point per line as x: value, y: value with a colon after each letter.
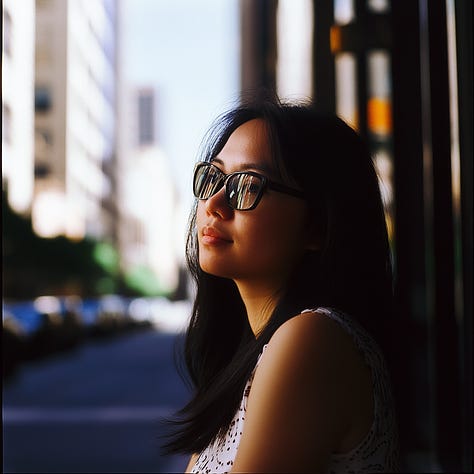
x: 243, y: 191
x: 206, y: 181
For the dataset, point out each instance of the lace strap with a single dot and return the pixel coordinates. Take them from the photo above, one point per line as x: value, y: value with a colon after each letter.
x: 373, y: 357
x: 363, y: 341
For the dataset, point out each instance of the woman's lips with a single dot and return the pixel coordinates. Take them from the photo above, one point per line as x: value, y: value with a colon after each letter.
x: 211, y: 236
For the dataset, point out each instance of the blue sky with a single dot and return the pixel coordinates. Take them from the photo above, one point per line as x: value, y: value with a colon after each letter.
x: 188, y: 50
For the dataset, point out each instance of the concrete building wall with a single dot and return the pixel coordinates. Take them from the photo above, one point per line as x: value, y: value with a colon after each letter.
x: 76, y: 65
x: 148, y: 197
x: 18, y: 102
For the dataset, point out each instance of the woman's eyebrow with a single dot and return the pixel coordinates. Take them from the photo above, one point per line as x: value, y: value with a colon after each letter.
x: 246, y: 166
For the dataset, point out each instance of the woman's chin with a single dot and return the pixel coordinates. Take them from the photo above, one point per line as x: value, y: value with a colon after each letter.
x: 212, y: 268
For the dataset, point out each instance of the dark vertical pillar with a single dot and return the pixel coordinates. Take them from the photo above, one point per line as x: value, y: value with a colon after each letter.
x: 411, y: 370
x: 463, y: 18
x: 324, y: 78
x: 445, y: 330
x: 258, y: 44
x: 425, y: 221
x: 361, y: 18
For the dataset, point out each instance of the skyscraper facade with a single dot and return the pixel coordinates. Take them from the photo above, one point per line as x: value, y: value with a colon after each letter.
x: 75, y: 118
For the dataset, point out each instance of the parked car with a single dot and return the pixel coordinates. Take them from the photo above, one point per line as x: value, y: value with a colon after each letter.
x: 13, y: 343
x: 49, y: 324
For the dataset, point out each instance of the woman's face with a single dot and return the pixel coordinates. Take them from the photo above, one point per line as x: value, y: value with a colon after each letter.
x: 261, y: 245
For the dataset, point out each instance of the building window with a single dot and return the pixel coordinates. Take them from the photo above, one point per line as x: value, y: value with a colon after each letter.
x: 42, y: 170
x: 7, y: 33
x: 146, y: 117
x: 42, y: 99
x: 6, y: 124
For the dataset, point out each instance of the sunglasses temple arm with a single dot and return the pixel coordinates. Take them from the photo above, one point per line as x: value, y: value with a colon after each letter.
x: 286, y: 190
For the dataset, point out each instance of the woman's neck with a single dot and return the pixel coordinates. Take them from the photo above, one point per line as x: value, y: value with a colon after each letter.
x: 260, y: 300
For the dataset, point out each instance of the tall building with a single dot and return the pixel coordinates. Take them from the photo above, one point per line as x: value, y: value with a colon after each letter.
x: 17, y: 102
x: 148, y: 198
x: 75, y: 118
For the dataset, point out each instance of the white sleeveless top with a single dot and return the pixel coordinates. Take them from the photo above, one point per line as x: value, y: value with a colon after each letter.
x: 377, y: 452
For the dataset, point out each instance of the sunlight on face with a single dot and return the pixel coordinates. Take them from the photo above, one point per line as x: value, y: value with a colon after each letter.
x: 258, y: 245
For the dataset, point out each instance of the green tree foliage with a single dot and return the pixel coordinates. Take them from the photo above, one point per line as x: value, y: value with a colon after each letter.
x: 33, y: 265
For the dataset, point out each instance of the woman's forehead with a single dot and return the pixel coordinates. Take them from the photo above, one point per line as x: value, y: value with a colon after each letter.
x: 248, y: 147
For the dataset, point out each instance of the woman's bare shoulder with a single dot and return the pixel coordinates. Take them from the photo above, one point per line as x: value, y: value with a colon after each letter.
x: 312, y: 333
x: 301, y: 385
x: 316, y: 348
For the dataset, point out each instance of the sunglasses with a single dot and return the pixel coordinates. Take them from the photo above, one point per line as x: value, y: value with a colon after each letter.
x: 243, y: 189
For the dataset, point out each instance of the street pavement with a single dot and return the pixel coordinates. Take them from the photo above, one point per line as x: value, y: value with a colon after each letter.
x: 95, y: 409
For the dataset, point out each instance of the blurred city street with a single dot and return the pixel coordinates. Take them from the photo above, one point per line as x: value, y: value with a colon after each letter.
x: 107, y: 105
x: 96, y: 408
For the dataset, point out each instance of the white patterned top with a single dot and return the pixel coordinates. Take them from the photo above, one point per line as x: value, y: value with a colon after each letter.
x: 377, y: 452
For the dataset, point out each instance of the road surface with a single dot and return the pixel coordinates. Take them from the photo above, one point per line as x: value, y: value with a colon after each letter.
x: 95, y: 409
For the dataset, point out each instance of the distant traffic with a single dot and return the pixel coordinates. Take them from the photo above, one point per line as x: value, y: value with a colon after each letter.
x: 51, y: 324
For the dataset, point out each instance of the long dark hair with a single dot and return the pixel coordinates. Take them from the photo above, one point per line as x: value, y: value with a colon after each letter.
x: 351, y: 271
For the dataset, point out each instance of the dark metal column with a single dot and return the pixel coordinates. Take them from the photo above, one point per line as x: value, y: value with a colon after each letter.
x: 258, y: 53
x: 362, y: 96
x: 464, y: 224
x: 411, y: 377
x: 324, y: 78
x: 445, y: 328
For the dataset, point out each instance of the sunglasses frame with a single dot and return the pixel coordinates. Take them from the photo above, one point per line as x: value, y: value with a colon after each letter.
x: 224, y: 179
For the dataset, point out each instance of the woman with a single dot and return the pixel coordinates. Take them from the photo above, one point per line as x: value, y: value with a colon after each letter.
x: 289, y: 250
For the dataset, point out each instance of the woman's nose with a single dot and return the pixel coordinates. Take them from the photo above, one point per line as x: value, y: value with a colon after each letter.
x: 217, y: 205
